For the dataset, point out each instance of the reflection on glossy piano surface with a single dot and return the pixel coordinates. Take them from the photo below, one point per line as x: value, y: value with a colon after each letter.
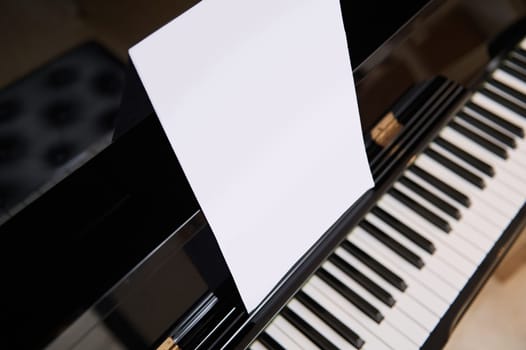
x: 443, y: 106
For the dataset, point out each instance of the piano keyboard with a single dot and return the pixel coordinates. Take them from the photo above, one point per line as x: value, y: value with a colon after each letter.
x: 395, y: 275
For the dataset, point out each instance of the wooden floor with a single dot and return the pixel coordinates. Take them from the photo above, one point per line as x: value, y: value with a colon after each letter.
x: 497, y: 318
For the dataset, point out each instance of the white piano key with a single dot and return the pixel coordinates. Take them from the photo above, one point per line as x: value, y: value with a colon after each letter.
x: 443, y: 242
x: 415, y: 221
x: 497, y: 90
x: 437, y: 192
x: 319, y: 325
x: 281, y: 337
x: 511, y: 116
x: 509, y: 80
x: 399, y: 321
x: 520, y: 150
x: 515, y: 65
x: 470, y: 215
x: 478, y: 232
x: 518, y: 156
x: 344, y: 311
x: 476, y: 115
x: 354, y: 286
x: 444, y: 291
x: 498, y: 109
x: 456, y: 259
x: 257, y: 346
x: 293, y: 333
x: 472, y: 111
x: 428, y: 295
x: 457, y: 182
x: 434, y: 191
x: 509, y: 96
x: 388, y: 334
x: 433, y: 263
x: 494, y: 188
x: 506, y: 170
x: 459, y: 228
x: 501, y: 207
x: 492, y: 209
x: 516, y: 160
x: 506, y: 212
x: 404, y: 302
x: 427, y: 277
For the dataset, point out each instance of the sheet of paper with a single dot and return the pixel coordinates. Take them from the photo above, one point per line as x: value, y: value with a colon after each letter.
x: 258, y: 102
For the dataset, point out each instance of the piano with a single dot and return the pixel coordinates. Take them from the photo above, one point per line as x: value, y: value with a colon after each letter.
x: 117, y: 255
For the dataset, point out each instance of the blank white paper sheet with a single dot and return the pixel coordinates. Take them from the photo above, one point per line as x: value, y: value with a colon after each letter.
x: 258, y: 102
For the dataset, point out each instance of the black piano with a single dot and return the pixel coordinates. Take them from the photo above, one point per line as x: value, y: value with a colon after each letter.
x: 117, y: 255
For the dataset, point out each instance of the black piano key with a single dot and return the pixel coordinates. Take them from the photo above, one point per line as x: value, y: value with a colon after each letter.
x: 519, y: 96
x: 517, y: 59
x: 421, y: 210
x: 350, y: 295
x: 307, y: 329
x: 504, y: 101
x: 269, y: 342
x: 468, y: 158
x: 488, y: 129
x: 441, y: 185
x: 347, y: 333
x: 503, y: 123
x: 374, y: 265
x: 521, y: 52
x: 456, y: 168
x: 412, y: 235
x: 388, y: 241
x: 482, y: 141
x: 432, y: 198
x: 363, y: 280
x: 515, y: 72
